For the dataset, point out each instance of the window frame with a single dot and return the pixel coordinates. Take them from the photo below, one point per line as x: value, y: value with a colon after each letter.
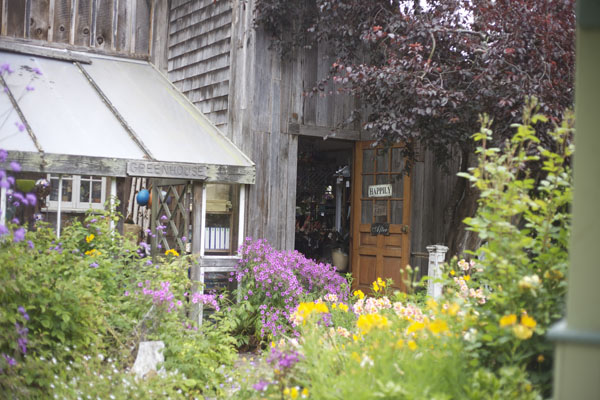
x: 75, y: 205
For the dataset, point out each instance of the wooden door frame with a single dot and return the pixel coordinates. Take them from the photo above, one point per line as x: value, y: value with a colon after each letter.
x: 356, y: 218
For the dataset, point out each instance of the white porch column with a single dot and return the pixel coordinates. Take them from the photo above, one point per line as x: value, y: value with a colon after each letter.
x: 437, y: 256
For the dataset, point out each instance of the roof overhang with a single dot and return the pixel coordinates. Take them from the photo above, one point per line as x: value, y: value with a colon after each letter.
x: 91, y: 114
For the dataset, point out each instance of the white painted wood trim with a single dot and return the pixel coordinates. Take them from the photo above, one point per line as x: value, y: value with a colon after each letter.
x: 202, y: 233
x: 59, y: 207
x: 242, y: 213
x: 3, y: 206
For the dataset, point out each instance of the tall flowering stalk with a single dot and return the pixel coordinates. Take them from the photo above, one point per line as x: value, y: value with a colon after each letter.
x: 276, y: 281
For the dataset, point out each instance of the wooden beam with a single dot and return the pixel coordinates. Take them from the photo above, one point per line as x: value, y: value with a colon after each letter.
x: 106, y: 166
x: 323, y: 132
x: 56, y: 54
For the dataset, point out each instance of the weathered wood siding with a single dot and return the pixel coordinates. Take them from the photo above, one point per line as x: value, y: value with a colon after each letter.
x: 121, y: 27
x: 199, y: 54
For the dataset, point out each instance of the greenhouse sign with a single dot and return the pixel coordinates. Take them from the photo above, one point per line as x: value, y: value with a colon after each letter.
x: 380, y: 190
x: 166, y: 170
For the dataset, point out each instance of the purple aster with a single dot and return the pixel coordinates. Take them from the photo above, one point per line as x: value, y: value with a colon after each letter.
x: 19, y: 235
x: 3, y: 155
x: 3, y: 230
x: 20, y: 126
x: 31, y: 199
x: 11, y: 361
x: 15, y: 166
x: 37, y: 70
x: 94, y: 265
x: 29, y: 88
x: 261, y: 386
x: 23, y: 313
x: 6, y: 68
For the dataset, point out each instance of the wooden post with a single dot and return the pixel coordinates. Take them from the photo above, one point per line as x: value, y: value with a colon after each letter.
x: 577, y: 337
x: 197, y: 239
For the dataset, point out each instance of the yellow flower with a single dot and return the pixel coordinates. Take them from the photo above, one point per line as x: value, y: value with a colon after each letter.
x: 375, y: 287
x: 355, y: 356
x: 90, y: 237
x: 527, y: 321
x: 294, y: 393
x: 412, y: 345
x: 304, y: 310
x: 415, y: 327
x: 467, y: 277
x: 452, y: 272
x: 399, y: 344
x: 367, y: 322
x: 304, y: 392
x: 432, y: 304
x: 522, y: 332
x: 343, y: 307
x: 438, y: 326
x: 380, y: 282
x: 508, y: 320
x: 172, y: 252
x: 359, y: 294
x: 355, y: 338
x: 541, y: 358
x: 453, y: 309
x: 92, y: 252
x: 286, y: 391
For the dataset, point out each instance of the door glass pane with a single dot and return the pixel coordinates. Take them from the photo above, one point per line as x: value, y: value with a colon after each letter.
x: 368, y: 161
x: 397, y: 185
x: 397, y: 160
x: 383, y: 179
x: 67, y: 192
x: 366, y: 211
x: 380, y: 210
x: 383, y: 160
x: 367, y: 181
x: 396, y: 211
x: 97, y: 192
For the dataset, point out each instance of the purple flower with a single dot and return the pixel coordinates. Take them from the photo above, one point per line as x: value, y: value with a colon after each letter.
x: 30, y: 244
x: 11, y: 361
x: 15, y: 166
x: 261, y: 386
x: 37, y: 70
x: 93, y: 220
x: 19, y: 235
x: 183, y: 239
x: 31, y: 199
x: 149, y: 262
x: 3, y: 155
x: 20, y: 126
x: 23, y: 312
x: 3, y: 230
x: 29, y: 88
x: 6, y: 68
x: 126, y: 293
x: 94, y: 265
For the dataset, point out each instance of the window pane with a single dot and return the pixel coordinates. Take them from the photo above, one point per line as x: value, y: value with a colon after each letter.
x: 367, y: 181
x: 366, y: 212
x: 368, y: 161
x: 97, y: 192
x: 383, y: 160
x: 380, y: 210
x: 222, y: 215
x: 383, y: 179
x: 397, y: 160
x: 67, y: 193
x: 396, y: 212
x: 84, y: 191
x: 397, y: 185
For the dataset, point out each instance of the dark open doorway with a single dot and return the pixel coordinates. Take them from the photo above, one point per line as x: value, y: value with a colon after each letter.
x: 323, y: 200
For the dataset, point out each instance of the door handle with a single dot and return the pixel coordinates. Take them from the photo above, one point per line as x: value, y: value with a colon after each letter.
x: 404, y: 229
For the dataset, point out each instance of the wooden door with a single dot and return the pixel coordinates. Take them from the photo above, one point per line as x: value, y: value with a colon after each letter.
x: 385, y: 254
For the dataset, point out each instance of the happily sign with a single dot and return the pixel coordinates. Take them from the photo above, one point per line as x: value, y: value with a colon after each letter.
x: 380, y: 190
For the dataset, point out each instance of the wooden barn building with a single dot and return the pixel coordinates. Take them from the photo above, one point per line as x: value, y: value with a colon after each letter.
x: 272, y: 162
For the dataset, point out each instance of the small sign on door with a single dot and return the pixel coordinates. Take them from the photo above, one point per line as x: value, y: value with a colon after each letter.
x: 380, y: 228
x: 380, y: 190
